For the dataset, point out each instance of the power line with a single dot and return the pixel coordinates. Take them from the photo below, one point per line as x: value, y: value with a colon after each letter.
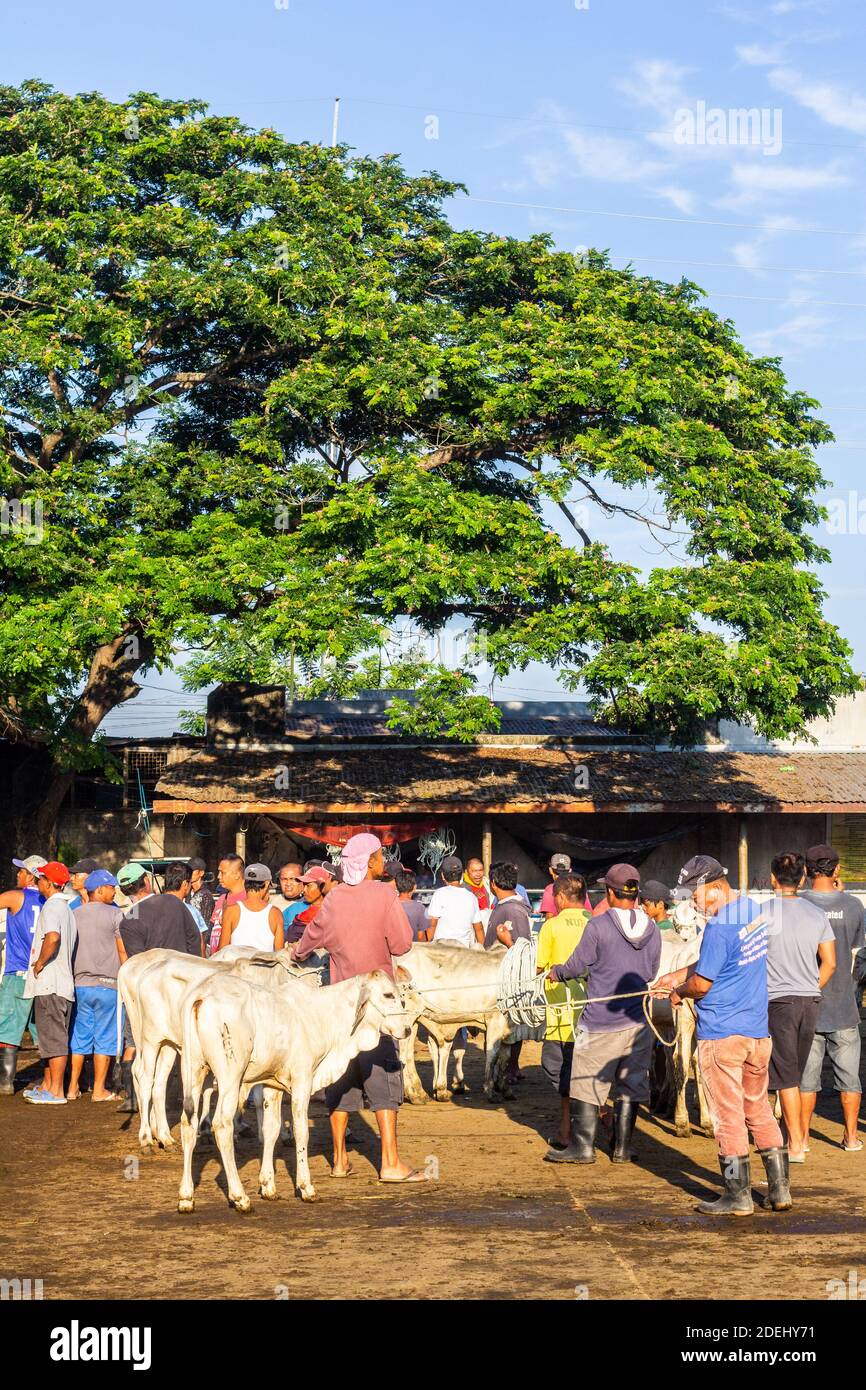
x: 433, y: 108
x: 658, y: 217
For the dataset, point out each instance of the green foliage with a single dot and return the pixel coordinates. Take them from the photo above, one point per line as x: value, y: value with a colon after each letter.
x: 270, y: 402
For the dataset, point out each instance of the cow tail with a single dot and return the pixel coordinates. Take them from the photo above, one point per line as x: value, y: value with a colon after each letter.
x: 187, y: 1060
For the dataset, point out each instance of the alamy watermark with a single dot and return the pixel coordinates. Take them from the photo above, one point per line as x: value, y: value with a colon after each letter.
x: 23, y: 519
x: 760, y: 126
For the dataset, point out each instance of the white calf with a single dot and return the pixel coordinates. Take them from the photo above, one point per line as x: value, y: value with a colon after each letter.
x: 457, y: 987
x: 284, y: 1040
x: 151, y: 985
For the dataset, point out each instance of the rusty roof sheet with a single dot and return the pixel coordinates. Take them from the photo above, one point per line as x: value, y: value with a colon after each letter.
x: 512, y: 777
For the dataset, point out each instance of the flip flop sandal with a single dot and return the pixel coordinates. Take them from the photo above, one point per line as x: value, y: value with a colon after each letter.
x: 97, y: 1100
x: 349, y: 1173
x: 852, y: 1148
x: 796, y: 1158
x: 416, y: 1175
x: 77, y: 1096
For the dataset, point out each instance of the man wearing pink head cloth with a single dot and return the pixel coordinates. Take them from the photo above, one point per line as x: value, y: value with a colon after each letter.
x: 362, y: 925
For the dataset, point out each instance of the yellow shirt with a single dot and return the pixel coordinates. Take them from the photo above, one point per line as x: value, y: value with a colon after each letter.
x: 557, y: 939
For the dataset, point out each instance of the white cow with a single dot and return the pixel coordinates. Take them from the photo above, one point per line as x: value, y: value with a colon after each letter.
x: 286, y: 1040
x: 151, y: 985
x: 681, y: 1061
x: 457, y: 987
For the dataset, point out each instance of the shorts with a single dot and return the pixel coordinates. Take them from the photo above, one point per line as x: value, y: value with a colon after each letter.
x: 618, y: 1061
x: 843, y: 1047
x: 94, y: 1021
x: 556, y: 1062
x: 372, y: 1081
x: 16, y: 1012
x: 792, y: 1028
x: 53, y: 1014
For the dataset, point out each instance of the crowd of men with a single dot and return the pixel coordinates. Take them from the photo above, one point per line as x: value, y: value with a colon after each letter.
x: 774, y: 987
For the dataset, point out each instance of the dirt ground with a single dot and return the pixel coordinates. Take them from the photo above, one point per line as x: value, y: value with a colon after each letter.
x: 84, y: 1213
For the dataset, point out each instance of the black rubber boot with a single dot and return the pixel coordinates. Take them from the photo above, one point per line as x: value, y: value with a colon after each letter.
x: 584, y: 1123
x: 129, y: 1106
x: 624, y: 1117
x: 117, y: 1077
x: 8, y: 1063
x: 778, y: 1196
x: 736, y: 1200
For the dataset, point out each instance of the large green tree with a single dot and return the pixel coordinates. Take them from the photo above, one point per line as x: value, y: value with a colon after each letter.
x: 261, y: 400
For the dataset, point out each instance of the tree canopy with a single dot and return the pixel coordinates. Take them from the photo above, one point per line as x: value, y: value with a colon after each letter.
x: 266, y: 400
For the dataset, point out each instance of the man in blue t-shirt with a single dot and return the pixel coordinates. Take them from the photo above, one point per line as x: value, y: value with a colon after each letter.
x: 23, y: 905
x: 729, y: 986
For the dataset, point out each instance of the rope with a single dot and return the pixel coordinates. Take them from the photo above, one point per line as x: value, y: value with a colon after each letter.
x: 521, y: 996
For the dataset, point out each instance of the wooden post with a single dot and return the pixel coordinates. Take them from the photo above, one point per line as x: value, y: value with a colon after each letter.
x: 486, y: 843
x: 743, y: 855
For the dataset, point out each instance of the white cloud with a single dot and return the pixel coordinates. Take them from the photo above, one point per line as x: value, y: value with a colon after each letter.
x: 762, y: 178
x: 792, y: 336
x: 754, y: 56
x: 833, y: 103
x: 837, y: 106
x: 609, y: 157
x: 657, y: 83
x: 682, y: 199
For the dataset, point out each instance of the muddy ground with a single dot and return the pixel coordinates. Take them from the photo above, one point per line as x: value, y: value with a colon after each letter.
x: 82, y: 1212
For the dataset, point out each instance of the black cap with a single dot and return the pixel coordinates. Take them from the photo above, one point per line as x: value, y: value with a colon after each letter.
x: 655, y: 892
x: 84, y: 866
x: 194, y: 864
x: 451, y: 865
x: 620, y: 876
x: 700, y: 869
x: 816, y: 852
x: 392, y: 868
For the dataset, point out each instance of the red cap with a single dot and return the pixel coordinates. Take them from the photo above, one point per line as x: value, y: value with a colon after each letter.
x: 55, y: 872
x: 317, y: 875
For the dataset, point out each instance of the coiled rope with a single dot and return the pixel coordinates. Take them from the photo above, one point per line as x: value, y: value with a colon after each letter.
x: 521, y: 996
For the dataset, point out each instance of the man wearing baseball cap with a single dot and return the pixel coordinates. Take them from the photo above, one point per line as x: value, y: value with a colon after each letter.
x: 837, y: 1032
x: 619, y: 952
x: 23, y: 905
x: 99, y: 955
x: 655, y: 898
x: 559, y: 864
x: 49, y: 982
x: 78, y: 874
x: 729, y: 986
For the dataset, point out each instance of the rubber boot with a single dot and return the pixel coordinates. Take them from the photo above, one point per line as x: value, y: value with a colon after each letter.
x: 736, y: 1200
x: 116, y: 1084
x: 584, y: 1123
x: 8, y: 1064
x: 624, y: 1117
x: 778, y: 1196
x: 129, y: 1106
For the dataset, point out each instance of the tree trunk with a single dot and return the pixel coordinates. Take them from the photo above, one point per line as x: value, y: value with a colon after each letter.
x: 32, y: 789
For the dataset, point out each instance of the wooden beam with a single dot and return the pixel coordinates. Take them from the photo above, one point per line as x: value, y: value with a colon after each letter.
x: 486, y: 843
x: 743, y: 854
x: 453, y: 808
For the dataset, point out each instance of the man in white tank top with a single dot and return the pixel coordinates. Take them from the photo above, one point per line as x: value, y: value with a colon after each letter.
x: 254, y: 922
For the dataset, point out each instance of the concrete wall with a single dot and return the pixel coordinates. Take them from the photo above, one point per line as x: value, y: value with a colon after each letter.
x: 112, y: 837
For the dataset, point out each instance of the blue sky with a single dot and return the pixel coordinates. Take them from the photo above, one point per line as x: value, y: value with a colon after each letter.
x: 569, y: 120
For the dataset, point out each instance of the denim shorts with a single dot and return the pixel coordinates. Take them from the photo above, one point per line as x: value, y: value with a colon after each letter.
x: 94, y: 1021
x: 843, y: 1047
